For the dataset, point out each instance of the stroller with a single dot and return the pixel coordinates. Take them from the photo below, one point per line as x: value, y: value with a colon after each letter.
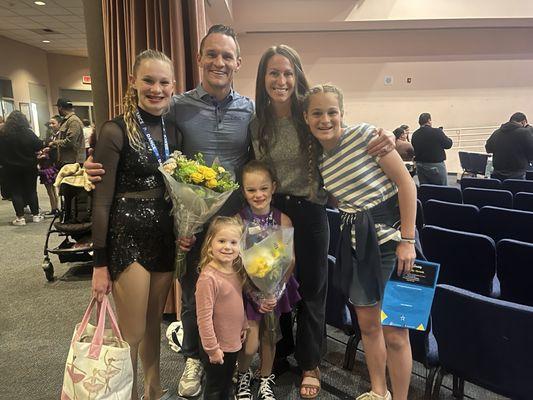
x: 74, y: 223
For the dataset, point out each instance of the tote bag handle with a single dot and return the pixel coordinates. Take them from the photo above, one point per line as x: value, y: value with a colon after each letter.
x: 98, y: 338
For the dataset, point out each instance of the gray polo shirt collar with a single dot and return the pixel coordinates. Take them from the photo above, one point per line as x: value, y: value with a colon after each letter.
x: 204, y: 95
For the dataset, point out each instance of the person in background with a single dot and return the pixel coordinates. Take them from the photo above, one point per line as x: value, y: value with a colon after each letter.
x: 48, y: 167
x: 88, y: 130
x: 132, y: 229
x: 403, y: 147
x: 18, y: 148
x: 511, y: 146
x: 70, y: 143
x: 429, y: 144
x: 4, y: 191
x: 220, y: 312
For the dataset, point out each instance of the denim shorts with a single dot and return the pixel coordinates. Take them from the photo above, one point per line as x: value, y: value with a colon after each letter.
x: 363, y: 293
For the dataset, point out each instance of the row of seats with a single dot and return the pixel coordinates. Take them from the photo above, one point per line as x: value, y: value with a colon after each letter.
x: 512, y: 185
x: 475, y: 262
x: 498, y: 223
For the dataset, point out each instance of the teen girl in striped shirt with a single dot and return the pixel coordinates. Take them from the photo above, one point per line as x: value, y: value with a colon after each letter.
x: 375, y: 196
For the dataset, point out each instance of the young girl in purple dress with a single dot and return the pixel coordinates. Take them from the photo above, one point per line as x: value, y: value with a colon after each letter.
x: 259, y: 184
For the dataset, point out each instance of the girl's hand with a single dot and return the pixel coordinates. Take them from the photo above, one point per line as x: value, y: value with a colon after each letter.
x: 244, y: 334
x: 101, y: 284
x: 217, y: 358
x: 406, y: 254
x: 186, y: 243
x: 382, y: 143
x: 267, y: 305
x: 94, y: 170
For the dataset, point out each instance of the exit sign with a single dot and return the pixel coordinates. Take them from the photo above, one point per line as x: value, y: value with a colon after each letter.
x: 86, y: 79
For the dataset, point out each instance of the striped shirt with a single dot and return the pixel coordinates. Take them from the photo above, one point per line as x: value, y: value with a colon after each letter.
x: 355, y: 178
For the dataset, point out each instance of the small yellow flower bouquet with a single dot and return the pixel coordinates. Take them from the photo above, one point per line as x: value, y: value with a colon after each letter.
x: 197, y: 192
x: 267, y: 255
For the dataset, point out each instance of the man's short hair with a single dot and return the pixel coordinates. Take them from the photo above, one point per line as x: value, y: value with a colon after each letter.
x: 518, y: 117
x: 424, y: 118
x: 224, y: 30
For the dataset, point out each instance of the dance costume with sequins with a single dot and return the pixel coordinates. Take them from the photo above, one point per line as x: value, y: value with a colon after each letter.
x: 290, y: 296
x: 131, y: 218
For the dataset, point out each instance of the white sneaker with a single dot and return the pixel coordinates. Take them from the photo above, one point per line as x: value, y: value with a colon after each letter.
x: 37, y: 218
x: 374, y: 396
x: 19, y: 221
x: 243, y: 390
x: 191, y: 380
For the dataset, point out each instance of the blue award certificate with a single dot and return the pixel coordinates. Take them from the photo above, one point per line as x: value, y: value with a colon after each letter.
x: 408, y: 298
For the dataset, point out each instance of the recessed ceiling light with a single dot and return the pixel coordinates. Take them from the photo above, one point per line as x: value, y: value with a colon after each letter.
x: 46, y: 41
x: 40, y: 3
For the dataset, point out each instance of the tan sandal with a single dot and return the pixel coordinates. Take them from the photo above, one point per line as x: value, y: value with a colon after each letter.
x: 314, y: 373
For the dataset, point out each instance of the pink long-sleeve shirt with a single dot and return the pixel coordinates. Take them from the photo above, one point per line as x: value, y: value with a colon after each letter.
x: 220, y: 310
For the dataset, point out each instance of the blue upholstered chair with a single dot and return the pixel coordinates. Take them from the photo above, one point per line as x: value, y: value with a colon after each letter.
x: 484, y: 341
x: 515, y: 271
x: 419, y: 215
x: 503, y: 223
x: 467, y: 260
x: 488, y: 197
x: 523, y: 201
x: 334, y: 221
x: 518, y: 185
x: 436, y: 192
x: 461, y: 217
x: 480, y: 183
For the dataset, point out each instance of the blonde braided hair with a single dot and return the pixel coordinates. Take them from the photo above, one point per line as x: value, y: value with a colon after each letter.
x: 131, y: 99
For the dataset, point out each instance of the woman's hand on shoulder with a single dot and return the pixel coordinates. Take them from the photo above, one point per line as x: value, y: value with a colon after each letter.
x: 406, y: 254
x: 382, y: 143
x: 101, y: 282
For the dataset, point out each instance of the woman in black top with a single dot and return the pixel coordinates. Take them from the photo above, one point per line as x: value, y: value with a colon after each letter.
x: 132, y: 227
x: 18, y: 148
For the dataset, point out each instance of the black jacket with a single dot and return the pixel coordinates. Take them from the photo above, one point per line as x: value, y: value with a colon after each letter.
x: 512, y: 148
x: 17, y: 149
x: 429, y: 144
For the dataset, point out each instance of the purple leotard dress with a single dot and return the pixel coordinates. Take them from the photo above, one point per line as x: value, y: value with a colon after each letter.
x: 290, y: 296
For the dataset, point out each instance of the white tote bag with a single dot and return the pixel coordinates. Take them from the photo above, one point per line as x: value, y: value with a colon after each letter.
x: 98, y: 364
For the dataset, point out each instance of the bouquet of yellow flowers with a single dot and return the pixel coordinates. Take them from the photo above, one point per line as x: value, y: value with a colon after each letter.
x: 197, y: 192
x: 267, y: 255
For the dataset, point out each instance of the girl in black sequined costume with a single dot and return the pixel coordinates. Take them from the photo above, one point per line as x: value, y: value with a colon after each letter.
x: 132, y: 228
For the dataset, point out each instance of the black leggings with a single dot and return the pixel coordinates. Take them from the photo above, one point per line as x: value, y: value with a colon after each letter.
x: 218, y: 377
x: 22, y: 183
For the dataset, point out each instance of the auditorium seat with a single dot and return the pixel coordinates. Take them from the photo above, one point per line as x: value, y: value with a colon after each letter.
x: 523, y: 201
x: 480, y: 183
x: 488, y: 197
x: 467, y: 260
x: 503, y: 223
x: 484, y: 341
x: 436, y: 192
x: 460, y: 217
x: 515, y: 271
x: 518, y: 185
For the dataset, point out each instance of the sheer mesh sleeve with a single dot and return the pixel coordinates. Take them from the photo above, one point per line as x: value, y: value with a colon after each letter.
x: 107, y: 152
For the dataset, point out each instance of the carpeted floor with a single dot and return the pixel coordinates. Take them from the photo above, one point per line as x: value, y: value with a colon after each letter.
x: 37, y: 319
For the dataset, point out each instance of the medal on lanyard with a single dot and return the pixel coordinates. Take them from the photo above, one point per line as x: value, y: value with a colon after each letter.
x: 146, y: 132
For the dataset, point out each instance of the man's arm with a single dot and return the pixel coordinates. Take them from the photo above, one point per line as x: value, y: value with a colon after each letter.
x: 445, y: 140
x: 72, y: 135
x: 489, y: 145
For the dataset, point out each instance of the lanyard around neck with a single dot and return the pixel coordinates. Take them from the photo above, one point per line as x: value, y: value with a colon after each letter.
x: 146, y: 132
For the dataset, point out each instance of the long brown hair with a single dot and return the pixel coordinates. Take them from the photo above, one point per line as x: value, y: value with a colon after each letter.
x: 131, y: 99
x: 265, y: 112
x: 206, y: 254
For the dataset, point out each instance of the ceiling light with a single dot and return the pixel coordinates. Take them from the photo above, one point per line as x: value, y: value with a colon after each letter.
x: 40, y: 3
x: 46, y: 41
